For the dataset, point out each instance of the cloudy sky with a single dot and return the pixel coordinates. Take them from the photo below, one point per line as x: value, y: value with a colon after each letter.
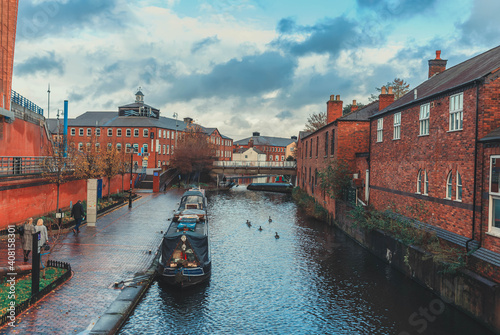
x: 238, y: 65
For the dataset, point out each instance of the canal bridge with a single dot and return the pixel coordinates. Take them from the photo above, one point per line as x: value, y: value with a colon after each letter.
x: 255, y: 168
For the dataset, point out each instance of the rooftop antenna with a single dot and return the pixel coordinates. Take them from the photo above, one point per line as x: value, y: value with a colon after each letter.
x: 48, y: 107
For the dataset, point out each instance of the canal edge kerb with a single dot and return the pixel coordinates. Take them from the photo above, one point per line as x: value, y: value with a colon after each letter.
x: 119, y: 310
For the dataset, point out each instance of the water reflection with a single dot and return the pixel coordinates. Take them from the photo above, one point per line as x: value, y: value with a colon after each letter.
x: 313, y: 280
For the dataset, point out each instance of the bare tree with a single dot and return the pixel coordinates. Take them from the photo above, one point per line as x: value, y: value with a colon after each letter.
x: 194, y: 151
x: 112, y: 163
x: 399, y: 88
x: 315, y: 121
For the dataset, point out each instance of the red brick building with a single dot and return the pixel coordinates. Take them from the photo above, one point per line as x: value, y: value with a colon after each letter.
x: 426, y: 158
x: 8, y: 22
x: 137, y: 125
x: 345, y: 137
x: 275, y: 148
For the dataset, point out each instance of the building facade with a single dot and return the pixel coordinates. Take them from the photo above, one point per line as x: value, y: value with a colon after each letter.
x: 140, y: 126
x: 426, y: 158
x: 275, y: 148
x: 8, y: 22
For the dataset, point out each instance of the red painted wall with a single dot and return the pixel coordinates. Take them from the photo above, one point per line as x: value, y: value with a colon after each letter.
x: 22, y: 138
x: 16, y: 205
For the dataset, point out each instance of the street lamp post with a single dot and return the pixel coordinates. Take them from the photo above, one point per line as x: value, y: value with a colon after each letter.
x: 176, y: 125
x: 130, y: 189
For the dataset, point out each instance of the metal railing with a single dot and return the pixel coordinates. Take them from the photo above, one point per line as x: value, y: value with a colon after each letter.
x: 259, y: 164
x: 22, y: 101
x: 15, y: 166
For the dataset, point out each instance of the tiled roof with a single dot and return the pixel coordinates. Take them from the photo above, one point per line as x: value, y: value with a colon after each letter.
x: 362, y: 114
x: 493, y: 136
x: 266, y: 140
x: 458, y: 75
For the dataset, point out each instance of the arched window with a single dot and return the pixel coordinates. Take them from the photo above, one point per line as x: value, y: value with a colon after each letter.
x: 419, y: 182
x: 426, y: 183
x: 459, y: 187
x: 449, y: 186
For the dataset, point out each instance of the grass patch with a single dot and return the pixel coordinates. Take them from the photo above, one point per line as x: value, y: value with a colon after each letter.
x: 23, y: 287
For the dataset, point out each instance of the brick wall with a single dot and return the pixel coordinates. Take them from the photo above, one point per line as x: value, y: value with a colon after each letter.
x: 395, y: 165
x: 8, y: 21
x: 351, y: 137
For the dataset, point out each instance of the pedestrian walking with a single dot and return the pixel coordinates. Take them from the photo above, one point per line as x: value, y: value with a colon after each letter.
x: 44, y: 238
x: 27, y: 238
x: 78, y: 213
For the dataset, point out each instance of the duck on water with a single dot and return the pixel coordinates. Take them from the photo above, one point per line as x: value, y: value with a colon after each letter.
x: 185, y: 250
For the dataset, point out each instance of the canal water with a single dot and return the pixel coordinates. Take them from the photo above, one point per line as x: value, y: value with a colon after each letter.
x: 312, y: 280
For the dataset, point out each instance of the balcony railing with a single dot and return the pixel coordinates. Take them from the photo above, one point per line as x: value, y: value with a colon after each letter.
x: 17, y: 166
x: 258, y: 164
x: 22, y: 101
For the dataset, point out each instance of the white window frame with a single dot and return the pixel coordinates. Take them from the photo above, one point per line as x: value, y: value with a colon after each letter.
x: 419, y: 182
x: 128, y: 132
x: 168, y: 149
x: 425, y: 112
x: 145, y: 132
x: 426, y: 183
x: 136, y: 132
x: 380, y: 130
x: 449, y: 186
x: 145, y: 148
x: 164, y: 133
x: 456, y: 112
x: 168, y: 135
x: 89, y: 131
x: 118, y: 146
x: 98, y: 132
x: 73, y: 131
x: 397, y: 126
x: 119, y: 132
x: 80, y: 131
x: 80, y: 147
x: 110, y: 131
x: 492, y: 230
x: 164, y: 149
x: 459, y: 188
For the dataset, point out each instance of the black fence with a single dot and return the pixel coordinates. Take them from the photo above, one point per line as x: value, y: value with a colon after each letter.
x: 33, y: 299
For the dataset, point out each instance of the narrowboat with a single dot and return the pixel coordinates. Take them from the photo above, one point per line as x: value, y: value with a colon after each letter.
x: 185, y: 249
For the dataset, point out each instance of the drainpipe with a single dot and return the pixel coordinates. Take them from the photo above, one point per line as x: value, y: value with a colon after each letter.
x: 65, y: 130
x: 475, y: 173
x: 368, y: 172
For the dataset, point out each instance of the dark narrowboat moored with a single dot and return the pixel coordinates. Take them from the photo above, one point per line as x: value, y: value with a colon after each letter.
x: 185, y: 250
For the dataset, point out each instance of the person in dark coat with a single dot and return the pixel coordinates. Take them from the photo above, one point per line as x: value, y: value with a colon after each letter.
x: 78, y: 213
x: 27, y: 238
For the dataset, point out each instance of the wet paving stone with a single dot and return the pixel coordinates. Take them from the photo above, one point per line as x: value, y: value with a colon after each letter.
x: 113, y: 251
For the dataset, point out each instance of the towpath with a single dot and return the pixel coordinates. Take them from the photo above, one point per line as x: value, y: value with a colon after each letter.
x: 113, y: 251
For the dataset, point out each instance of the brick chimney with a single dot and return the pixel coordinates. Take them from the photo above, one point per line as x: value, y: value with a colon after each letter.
x: 385, y: 98
x: 354, y: 107
x: 333, y: 109
x: 437, y: 65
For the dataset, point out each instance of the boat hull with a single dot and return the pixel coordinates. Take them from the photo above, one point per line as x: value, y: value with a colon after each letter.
x: 185, y: 277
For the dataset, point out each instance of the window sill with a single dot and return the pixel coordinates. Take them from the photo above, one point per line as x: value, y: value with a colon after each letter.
x: 396, y: 139
x: 454, y: 131
x: 493, y: 233
x: 456, y: 200
x: 423, y: 135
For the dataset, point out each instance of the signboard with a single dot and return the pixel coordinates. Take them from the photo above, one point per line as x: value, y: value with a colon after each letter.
x: 145, y: 163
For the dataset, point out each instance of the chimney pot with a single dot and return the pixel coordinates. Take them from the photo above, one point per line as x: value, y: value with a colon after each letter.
x: 333, y: 109
x: 415, y: 94
x: 390, y: 90
x: 354, y: 102
x: 437, y: 65
x: 383, y: 90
